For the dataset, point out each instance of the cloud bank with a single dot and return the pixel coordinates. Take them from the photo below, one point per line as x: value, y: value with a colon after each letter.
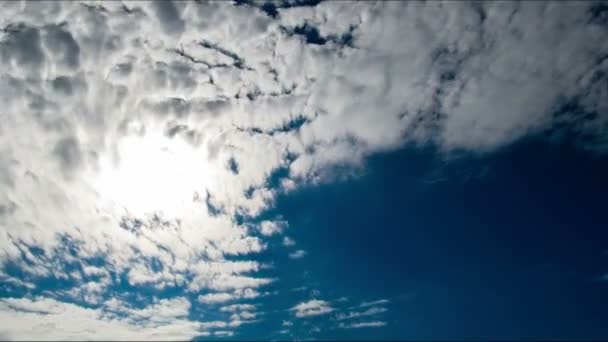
x: 140, y: 141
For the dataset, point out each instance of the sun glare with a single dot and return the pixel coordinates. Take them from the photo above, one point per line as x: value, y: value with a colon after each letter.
x: 153, y: 174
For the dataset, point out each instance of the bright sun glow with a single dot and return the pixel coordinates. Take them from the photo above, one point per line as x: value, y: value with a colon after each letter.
x: 153, y: 174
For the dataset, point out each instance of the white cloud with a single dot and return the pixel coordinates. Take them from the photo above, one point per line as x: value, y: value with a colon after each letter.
x: 244, y: 315
x: 215, y: 297
x: 356, y: 314
x: 238, y: 307
x: 163, y: 310
x: 313, y: 307
x: 300, y: 253
x: 17, y: 282
x: 374, y: 302
x: 287, y: 323
x: 93, y: 114
x: 226, y: 276
x: 358, y: 325
x: 90, y: 292
x: 222, y: 297
x: 288, y: 242
x: 142, y: 274
x: 45, y: 319
x: 113, y: 114
x: 223, y: 333
x: 269, y: 228
x: 214, y: 324
x: 84, y: 101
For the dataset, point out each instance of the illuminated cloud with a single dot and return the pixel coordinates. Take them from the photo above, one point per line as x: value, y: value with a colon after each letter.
x: 141, y: 142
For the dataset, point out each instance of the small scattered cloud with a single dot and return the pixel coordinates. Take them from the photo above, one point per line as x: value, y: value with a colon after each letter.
x: 372, y: 324
x: 268, y: 228
x: 244, y: 315
x: 215, y: 297
x: 238, y: 307
x: 375, y: 302
x: 300, y: 253
x: 222, y: 297
x: 314, y: 307
x: 223, y: 333
x: 288, y: 242
x: 356, y: 314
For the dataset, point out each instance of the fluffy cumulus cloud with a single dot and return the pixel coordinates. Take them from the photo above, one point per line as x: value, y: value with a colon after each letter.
x: 269, y: 228
x: 141, y: 141
x: 46, y: 319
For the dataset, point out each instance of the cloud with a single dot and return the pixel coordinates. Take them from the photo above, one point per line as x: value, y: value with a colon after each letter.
x: 245, y: 315
x: 226, y: 276
x: 288, y: 242
x: 238, y: 307
x: 214, y: 324
x: 268, y: 228
x: 223, y: 333
x: 300, y: 253
x: 372, y: 324
x: 356, y: 314
x: 147, y: 139
x: 313, y: 307
x: 216, y: 297
x: 222, y: 297
x: 44, y: 319
x: 375, y: 302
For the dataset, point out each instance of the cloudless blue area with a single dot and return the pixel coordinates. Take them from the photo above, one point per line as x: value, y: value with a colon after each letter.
x: 508, y: 245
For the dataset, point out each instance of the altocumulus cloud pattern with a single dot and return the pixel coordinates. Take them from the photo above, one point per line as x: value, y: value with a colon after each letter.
x: 142, y: 143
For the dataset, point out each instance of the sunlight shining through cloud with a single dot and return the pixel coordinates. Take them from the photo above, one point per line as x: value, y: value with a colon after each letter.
x: 153, y: 173
x: 149, y: 151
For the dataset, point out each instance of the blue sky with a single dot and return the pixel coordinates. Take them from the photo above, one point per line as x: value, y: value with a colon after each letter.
x: 298, y: 170
x: 489, y: 251
x: 506, y: 246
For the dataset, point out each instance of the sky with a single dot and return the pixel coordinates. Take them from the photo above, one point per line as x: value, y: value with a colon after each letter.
x: 301, y: 170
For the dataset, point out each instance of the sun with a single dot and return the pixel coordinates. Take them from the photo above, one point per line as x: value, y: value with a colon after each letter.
x: 153, y: 174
